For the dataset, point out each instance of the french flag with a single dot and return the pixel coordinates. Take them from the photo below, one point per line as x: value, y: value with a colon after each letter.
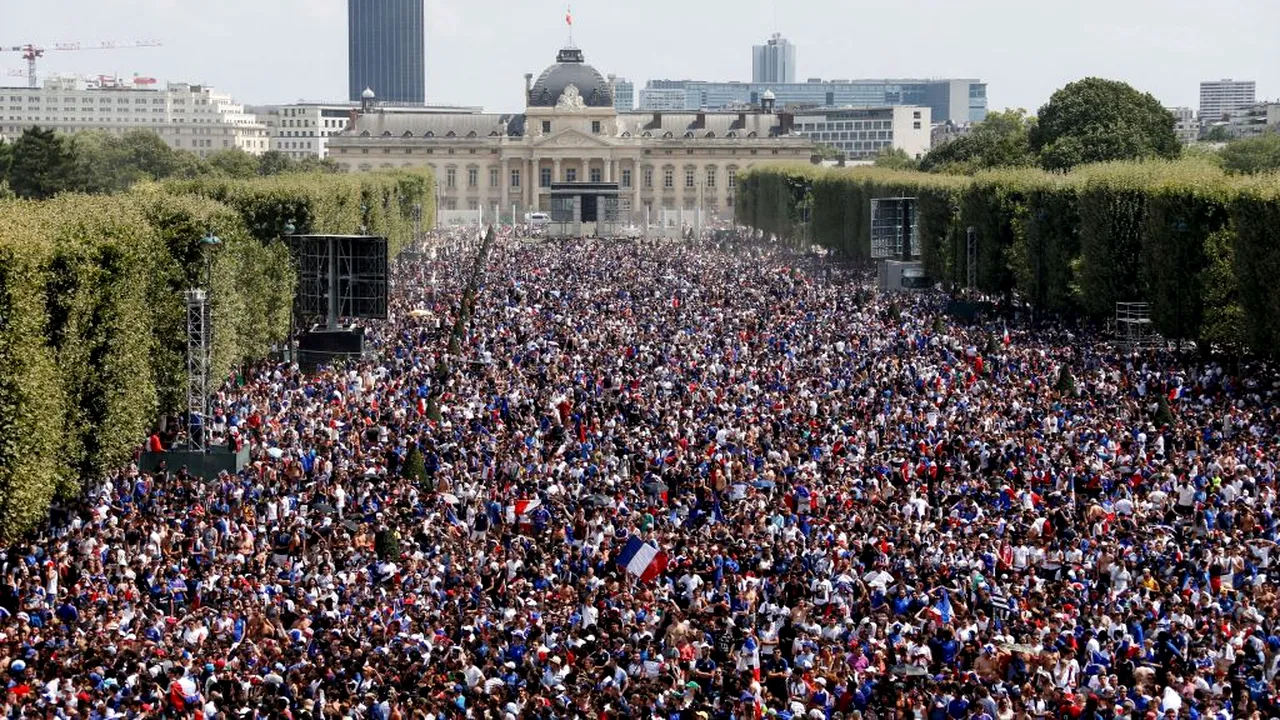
x: 642, y: 559
x: 941, y: 611
x: 521, y: 509
x: 1175, y: 394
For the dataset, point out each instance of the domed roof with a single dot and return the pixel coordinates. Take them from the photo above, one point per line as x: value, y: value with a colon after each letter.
x: 571, y: 69
x: 367, y: 94
x: 768, y: 95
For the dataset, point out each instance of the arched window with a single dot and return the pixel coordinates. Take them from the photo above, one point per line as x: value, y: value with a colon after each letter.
x: 471, y: 134
x: 428, y: 134
x: 365, y: 134
x: 451, y: 134
x: 407, y: 134
x: 710, y: 134
x: 386, y: 133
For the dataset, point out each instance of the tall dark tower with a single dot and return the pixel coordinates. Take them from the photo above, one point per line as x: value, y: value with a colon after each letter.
x: 386, y: 50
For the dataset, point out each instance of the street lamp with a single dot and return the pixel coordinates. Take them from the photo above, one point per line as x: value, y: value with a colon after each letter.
x: 207, y: 243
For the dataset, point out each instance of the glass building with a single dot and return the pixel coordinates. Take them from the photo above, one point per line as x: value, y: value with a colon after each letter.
x: 386, y: 50
x: 959, y: 101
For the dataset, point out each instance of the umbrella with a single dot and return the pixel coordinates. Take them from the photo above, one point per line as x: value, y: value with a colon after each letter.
x: 878, y: 577
x: 419, y: 313
x: 908, y: 671
x: 324, y: 507
x: 275, y: 452
x: 599, y: 501
x: 449, y: 498
x: 351, y: 525
x: 655, y: 486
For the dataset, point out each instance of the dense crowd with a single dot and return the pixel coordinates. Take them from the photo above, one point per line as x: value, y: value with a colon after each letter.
x: 861, y: 508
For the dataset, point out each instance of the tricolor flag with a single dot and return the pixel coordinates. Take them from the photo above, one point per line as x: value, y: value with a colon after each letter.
x: 675, y: 301
x: 521, y: 508
x: 941, y: 610
x: 1175, y: 394
x: 1006, y: 333
x: 642, y: 559
x: 568, y: 16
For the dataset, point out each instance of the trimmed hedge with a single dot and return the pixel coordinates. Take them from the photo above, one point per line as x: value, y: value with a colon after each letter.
x: 1202, y: 247
x: 93, y: 317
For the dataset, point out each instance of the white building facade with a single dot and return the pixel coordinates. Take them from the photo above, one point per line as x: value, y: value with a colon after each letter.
x: 185, y: 116
x: 1219, y: 98
x: 1185, y: 124
x: 861, y: 133
x: 570, y: 133
x: 303, y: 130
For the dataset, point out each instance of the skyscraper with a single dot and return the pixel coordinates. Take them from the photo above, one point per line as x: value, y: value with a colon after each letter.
x: 1219, y: 98
x: 773, y: 62
x: 385, y: 50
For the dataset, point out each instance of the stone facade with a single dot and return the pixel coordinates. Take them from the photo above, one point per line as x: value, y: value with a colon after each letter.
x: 496, y: 161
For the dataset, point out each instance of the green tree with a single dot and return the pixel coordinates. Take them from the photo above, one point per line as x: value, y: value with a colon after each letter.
x: 895, y: 159
x: 233, y: 163
x: 1096, y: 120
x: 312, y: 163
x: 101, y: 163
x: 1252, y: 155
x: 41, y: 165
x: 6, y: 155
x: 148, y: 153
x: 827, y: 152
x: 1001, y: 140
x: 1216, y: 134
x: 189, y: 166
x: 274, y: 162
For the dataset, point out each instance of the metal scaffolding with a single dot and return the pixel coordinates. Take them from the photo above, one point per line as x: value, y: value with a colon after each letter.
x: 197, y: 370
x: 1134, y: 331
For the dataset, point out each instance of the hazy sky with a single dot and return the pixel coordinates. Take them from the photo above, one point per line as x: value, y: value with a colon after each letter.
x: 479, y: 50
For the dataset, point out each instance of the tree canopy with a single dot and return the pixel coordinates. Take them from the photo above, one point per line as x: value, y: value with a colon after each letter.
x: 1096, y: 120
x: 42, y: 163
x: 1253, y: 155
x: 1001, y: 140
x: 895, y: 159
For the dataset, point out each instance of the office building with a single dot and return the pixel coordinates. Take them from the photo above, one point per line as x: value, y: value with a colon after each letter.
x: 302, y: 130
x: 386, y: 50
x: 185, y: 116
x: 861, y: 133
x: 1218, y: 98
x: 664, y: 99
x: 773, y: 62
x: 571, y: 133
x: 1253, y: 120
x: 960, y: 101
x: 624, y: 94
x: 1185, y: 124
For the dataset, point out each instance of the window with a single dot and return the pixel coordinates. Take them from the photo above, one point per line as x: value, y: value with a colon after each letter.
x: 473, y: 177
x: 711, y: 177
x: 595, y: 127
x: 493, y: 177
x: 668, y: 178
x: 626, y: 178
x: 473, y: 204
x: 546, y: 127
x: 688, y: 177
x: 450, y: 178
x: 515, y: 178
x: 648, y: 177
x: 571, y: 175
x: 544, y: 177
x: 915, y: 125
x: 733, y: 177
x: 594, y: 174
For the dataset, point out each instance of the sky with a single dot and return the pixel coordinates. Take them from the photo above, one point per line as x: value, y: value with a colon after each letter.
x: 478, y: 51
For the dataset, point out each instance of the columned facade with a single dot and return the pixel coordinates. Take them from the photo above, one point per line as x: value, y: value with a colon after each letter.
x: 570, y: 132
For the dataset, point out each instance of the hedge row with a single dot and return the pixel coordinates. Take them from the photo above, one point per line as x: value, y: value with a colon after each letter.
x: 1202, y: 247
x: 92, y: 312
x: 380, y: 203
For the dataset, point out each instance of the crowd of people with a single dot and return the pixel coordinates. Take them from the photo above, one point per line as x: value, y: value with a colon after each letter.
x: 844, y: 504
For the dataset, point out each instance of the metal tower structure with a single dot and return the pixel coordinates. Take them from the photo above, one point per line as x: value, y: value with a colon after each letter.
x: 198, y: 370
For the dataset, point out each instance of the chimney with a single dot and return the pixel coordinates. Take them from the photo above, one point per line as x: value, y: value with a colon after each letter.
x: 786, y: 121
x: 352, y: 116
x: 528, y: 85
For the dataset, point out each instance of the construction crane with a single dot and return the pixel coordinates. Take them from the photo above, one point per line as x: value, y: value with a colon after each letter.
x: 31, y: 52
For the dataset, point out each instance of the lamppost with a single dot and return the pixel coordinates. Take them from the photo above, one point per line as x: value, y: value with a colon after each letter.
x: 207, y: 243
